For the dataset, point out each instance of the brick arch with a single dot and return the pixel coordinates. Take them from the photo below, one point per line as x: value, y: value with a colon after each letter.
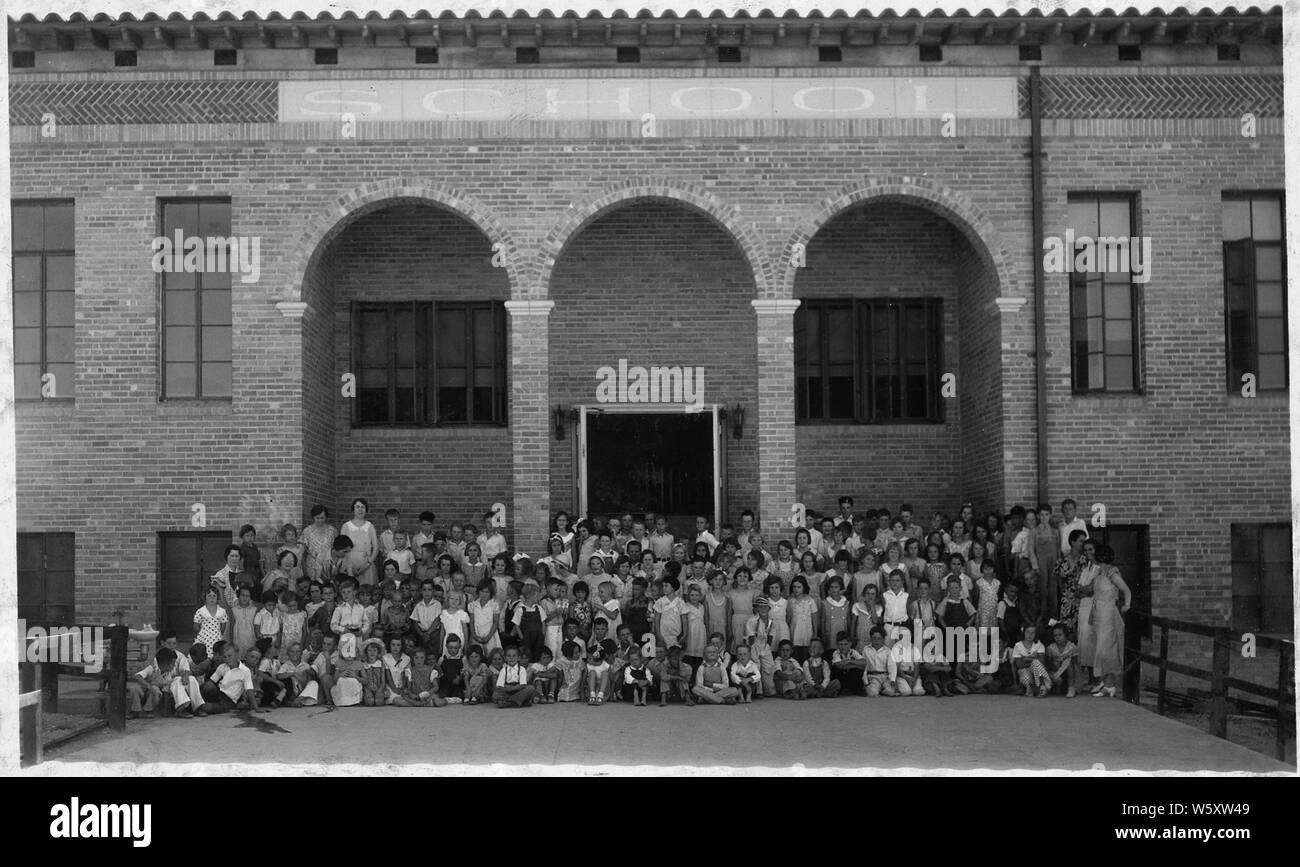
x: 377, y: 195
x: 586, y: 211
x: 953, y: 206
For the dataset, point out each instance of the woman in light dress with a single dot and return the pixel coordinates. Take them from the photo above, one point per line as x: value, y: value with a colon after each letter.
x: 365, y: 543
x: 1101, y: 617
x: 318, y: 538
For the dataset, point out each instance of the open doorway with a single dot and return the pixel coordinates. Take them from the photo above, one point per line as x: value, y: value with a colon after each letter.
x: 665, y: 462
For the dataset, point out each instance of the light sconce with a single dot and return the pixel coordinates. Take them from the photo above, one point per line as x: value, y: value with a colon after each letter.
x: 737, y: 420
x: 558, y: 414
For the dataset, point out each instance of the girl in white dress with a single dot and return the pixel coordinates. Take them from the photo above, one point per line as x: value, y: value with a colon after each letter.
x: 365, y: 543
x: 483, y: 613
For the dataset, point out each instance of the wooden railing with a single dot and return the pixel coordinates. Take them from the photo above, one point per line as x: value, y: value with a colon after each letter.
x: 43, y: 679
x: 1225, y: 642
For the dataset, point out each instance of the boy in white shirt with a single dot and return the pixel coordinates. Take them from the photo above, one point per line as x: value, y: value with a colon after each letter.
x: 702, y: 534
x: 1069, y: 523
x: 881, y: 670
x: 491, y: 542
x: 895, y: 600
x: 745, y: 675
x: 512, y: 689
x: 388, y: 537
x: 426, y: 532
x: 231, y: 686
x: 661, y: 541
x: 403, y: 556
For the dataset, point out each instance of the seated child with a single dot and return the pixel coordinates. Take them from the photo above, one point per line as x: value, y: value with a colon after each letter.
x: 231, y: 686
x: 718, y: 642
x: 907, y: 661
x: 544, y: 676
x: 296, y: 677
x: 676, y: 679
x: 372, y: 674
x: 712, y: 685
x: 397, y: 671
x: 572, y: 671
x: 451, y: 670
x: 789, y: 676
x: 818, y: 682
x: 745, y: 675
x: 293, y: 623
x: 636, y: 679
x: 1028, y: 657
x: 881, y: 671
x: 163, y: 683
x: 477, y: 677
x: 422, y: 685
x: 1062, y: 662
x: 512, y: 689
x: 848, y: 666
x: 597, y: 675
x: 262, y: 663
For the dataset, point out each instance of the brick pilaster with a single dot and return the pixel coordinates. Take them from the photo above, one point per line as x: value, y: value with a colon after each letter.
x: 530, y: 424
x: 776, y: 441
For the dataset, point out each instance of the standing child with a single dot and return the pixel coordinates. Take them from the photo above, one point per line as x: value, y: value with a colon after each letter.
x: 637, y: 613
x: 528, y: 623
x: 835, y: 610
x: 572, y: 672
x: 717, y: 606
x: 555, y: 610
x: 484, y: 618
x: 580, y: 609
x: 985, y: 596
x: 402, y: 556
x: 759, y: 633
x: 453, y: 620
x: 668, y: 611
x: 745, y: 675
x: 293, y: 623
x: 867, y: 615
x: 780, y: 609
x: 695, y: 632
x: 425, y: 619
x: 803, y: 614
x: 608, y: 607
x: 1027, y: 657
x: 243, y: 633
x: 741, y: 601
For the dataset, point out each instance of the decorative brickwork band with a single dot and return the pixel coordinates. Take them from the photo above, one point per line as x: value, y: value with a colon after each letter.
x: 1154, y: 97
x: 1009, y: 304
x: 295, y: 310
x: 530, y: 308
x: 116, y: 102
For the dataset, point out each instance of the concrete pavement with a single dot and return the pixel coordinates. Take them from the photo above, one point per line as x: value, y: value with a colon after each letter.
x: 963, y: 734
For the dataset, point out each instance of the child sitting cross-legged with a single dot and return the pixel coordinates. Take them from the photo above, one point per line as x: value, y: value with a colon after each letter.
x: 818, y: 682
x: 745, y: 674
x: 712, y: 686
x: 512, y: 689
x: 789, y: 676
x: 422, y: 683
x: 1027, y: 657
x: 676, y: 679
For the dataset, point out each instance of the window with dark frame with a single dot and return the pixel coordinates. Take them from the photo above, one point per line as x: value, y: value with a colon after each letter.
x: 44, y: 260
x: 1261, y: 578
x: 868, y: 361
x: 196, y: 306
x: 46, y: 576
x: 424, y: 363
x: 1104, y: 327
x: 1254, y: 285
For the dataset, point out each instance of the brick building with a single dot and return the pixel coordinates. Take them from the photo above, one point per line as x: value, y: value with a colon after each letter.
x: 464, y: 219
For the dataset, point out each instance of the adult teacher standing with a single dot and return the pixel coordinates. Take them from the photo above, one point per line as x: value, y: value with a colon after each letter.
x: 365, y: 543
x: 1101, y: 618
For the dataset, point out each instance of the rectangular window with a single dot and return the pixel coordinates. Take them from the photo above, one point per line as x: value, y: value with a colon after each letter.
x: 186, y: 562
x: 196, y: 310
x: 1104, y: 328
x: 868, y: 360
x: 420, y: 363
x: 46, y: 575
x: 44, y: 300
x: 1254, y: 285
x: 1261, y: 578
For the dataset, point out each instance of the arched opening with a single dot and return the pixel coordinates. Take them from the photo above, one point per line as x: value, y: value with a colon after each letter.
x: 653, y: 283
x: 406, y: 356
x: 897, y: 360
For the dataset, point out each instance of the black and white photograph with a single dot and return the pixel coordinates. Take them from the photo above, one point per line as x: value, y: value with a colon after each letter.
x: 731, y: 389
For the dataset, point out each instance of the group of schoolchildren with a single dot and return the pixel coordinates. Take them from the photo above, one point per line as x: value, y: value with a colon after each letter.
x: 369, y: 618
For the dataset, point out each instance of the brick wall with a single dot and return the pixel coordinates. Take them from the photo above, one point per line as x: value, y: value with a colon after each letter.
x: 656, y: 284
x: 406, y: 253
x: 885, y: 250
x: 118, y: 466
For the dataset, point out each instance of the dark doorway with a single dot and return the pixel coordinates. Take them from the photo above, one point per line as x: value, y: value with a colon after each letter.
x: 652, y: 462
x: 188, y: 561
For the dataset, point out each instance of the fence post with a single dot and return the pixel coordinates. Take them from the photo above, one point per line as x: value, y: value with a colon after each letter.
x: 1285, y: 697
x: 1164, y: 673
x: 117, y: 641
x: 1219, y: 683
